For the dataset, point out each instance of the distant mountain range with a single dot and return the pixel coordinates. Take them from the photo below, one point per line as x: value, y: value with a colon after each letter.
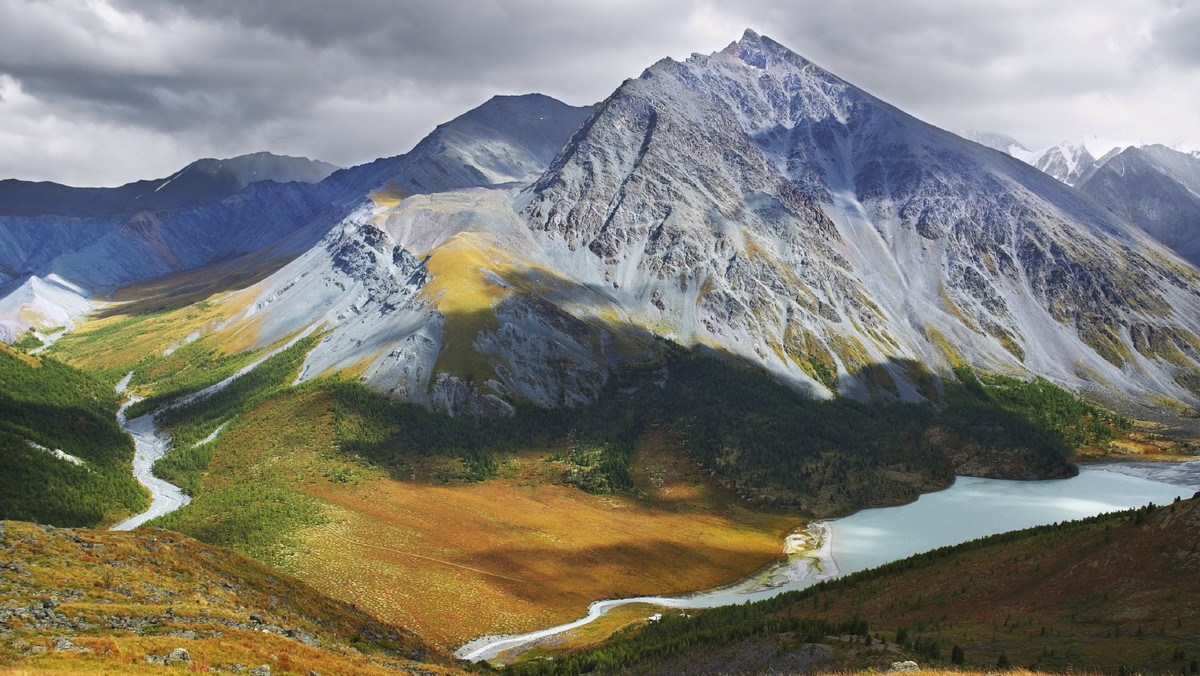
x: 1152, y: 186
x: 200, y: 182
x: 746, y: 200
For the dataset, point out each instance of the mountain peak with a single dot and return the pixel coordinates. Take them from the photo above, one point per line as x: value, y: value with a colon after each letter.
x: 753, y: 49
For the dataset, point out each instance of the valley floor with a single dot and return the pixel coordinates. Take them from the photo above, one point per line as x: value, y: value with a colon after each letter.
x: 454, y: 562
x: 511, y: 555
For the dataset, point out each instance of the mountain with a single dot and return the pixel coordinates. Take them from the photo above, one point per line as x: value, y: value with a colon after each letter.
x: 1151, y: 186
x: 264, y: 223
x: 1156, y: 188
x: 1110, y: 594
x: 752, y: 200
x: 202, y: 181
x: 104, y: 602
x: 1070, y: 161
x: 509, y: 138
x: 737, y: 276
x: 745, y: 200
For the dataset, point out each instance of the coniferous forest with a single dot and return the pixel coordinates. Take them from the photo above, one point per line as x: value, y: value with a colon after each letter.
x: 46, y: 405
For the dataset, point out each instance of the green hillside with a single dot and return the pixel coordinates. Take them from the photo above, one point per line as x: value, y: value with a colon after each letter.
x: 45, y: 404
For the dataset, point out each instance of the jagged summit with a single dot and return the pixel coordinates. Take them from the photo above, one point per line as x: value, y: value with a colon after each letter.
x: 762, y: 52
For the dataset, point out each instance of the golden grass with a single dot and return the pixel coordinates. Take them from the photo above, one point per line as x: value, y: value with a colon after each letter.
x: 948, y: 349
x: 212, y: 592
x: 32, y: 361
x: 462, y: 290
x: 508, y: 556
x: 390, y: 195
x: 955, y: 310
x: 120, y: 342
x: 471, y: 274
x: 126, y: 655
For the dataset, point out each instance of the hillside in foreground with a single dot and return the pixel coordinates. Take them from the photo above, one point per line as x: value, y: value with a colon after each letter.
x: 84, y: 601
x: 1110, y: 594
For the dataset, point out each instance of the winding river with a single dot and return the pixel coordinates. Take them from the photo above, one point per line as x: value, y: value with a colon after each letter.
x: 149, y: 446
x: 969, y: 509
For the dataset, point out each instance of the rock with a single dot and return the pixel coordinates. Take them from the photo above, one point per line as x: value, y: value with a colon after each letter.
x: 302, y: 636
x: 907, y: 665
x: 156, y: 659
x: 179, y: 655
x: 63, y: 645
x: 14, y: 567
x: 264, y: 670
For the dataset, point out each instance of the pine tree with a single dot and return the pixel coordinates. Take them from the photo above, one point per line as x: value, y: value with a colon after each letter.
x: 956, y: 655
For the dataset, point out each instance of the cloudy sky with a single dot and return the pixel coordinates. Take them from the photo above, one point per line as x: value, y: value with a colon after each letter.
x: 100, y: 92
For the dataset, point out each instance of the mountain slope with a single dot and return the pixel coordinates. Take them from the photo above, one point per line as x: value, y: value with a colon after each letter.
x: 63, y: 458
x: 505, y: 139
x: 1156, y: 188
x: 105, y: 602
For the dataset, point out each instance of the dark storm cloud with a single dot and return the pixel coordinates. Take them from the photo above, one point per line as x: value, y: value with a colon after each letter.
x: 159, y: 82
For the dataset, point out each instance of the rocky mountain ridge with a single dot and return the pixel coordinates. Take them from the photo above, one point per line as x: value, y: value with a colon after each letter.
x: 801, y: 219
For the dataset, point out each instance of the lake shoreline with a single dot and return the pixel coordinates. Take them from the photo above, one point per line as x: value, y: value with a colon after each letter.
x: 816, y: 551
